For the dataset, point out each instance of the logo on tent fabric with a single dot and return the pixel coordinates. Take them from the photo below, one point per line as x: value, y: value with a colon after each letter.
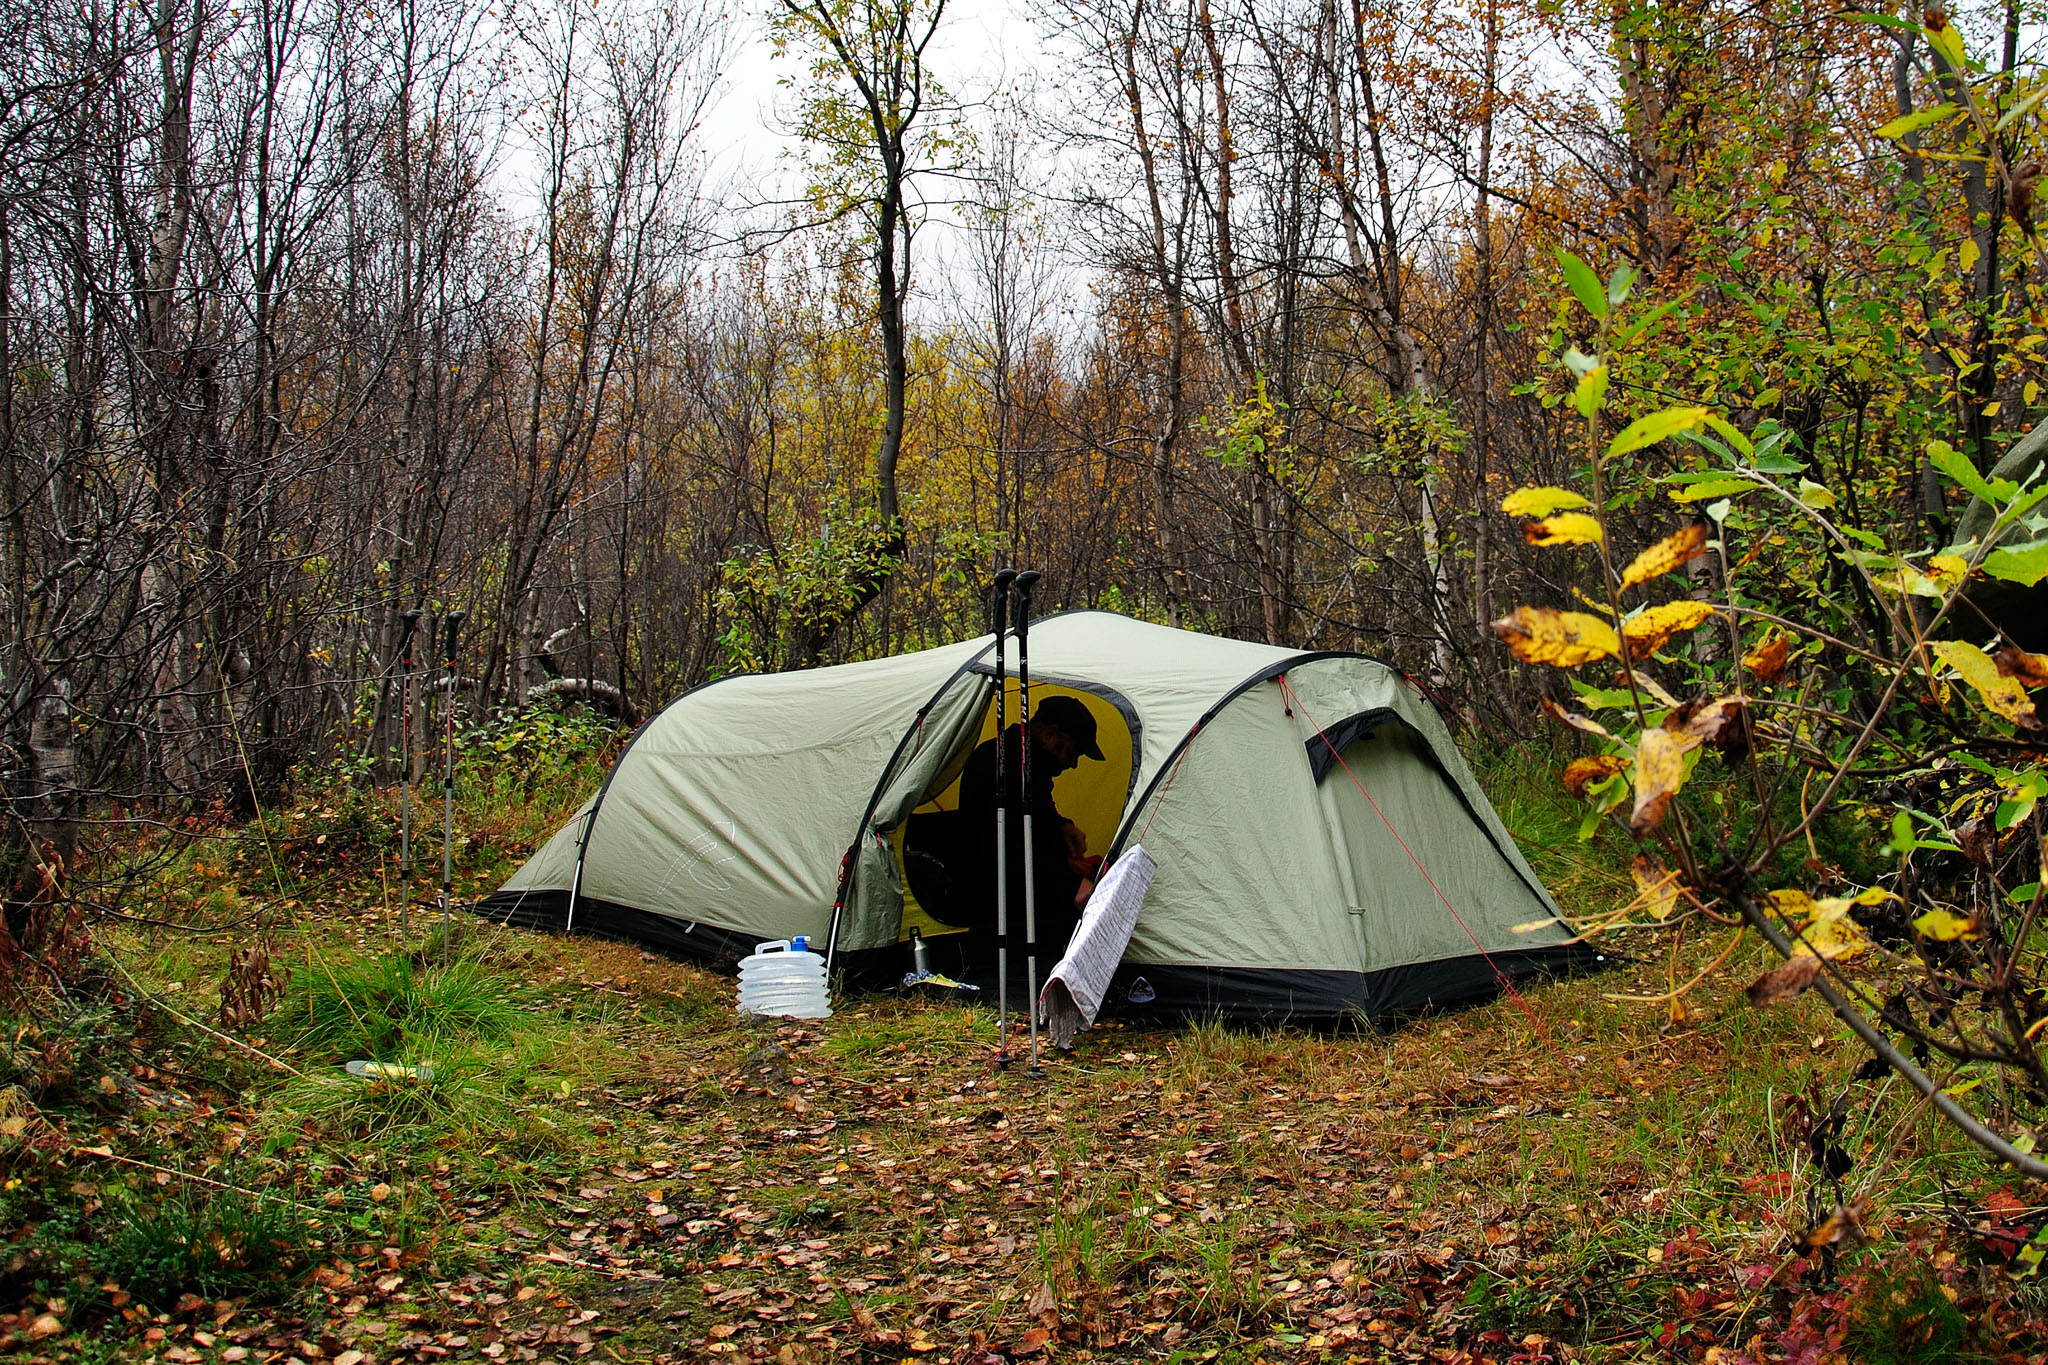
x: 1140, y: 991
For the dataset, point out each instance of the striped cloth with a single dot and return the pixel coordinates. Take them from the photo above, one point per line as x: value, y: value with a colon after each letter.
x: 1073, y: 993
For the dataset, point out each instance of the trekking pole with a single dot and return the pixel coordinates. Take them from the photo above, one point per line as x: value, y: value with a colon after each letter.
x: 1021, y: 614
x: 451, y: 633
x: 1000, y: 612
x: 409, y: 625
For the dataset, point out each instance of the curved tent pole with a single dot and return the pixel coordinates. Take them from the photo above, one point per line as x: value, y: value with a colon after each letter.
x: 849, y: 864
x: 1171, y: 761
x: 597, y: 801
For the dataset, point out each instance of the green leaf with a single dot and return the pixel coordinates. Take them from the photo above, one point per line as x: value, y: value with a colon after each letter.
x: 1585, y: 285
x: 1655, y: 427
x: 1887, y: 20
x: 1949, y: 44
x: 2023, y: 107
x: 2024, y: 564
x: 1776, y: 465
x: 1918, y: 119
x: 2013, y: 810
x: 1728, y: 433
x: 1713, y: 488
x: 1815, y: 495
x: 1591, y: 394
x: 1619, y: 282
x: 1958, y: 467
x: 1646, y: 323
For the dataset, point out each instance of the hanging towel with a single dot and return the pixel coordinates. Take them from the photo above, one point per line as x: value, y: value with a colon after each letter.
x: 1073, y: 993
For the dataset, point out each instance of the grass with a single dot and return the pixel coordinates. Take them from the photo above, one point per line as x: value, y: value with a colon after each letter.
x: 394, y: 1007
x: 600, y: 1120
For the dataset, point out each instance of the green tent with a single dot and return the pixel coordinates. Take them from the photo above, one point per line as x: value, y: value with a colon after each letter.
x: 1322, y: 847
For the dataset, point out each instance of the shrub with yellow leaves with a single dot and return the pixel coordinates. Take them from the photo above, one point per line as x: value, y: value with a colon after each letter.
x: 1866, y: 696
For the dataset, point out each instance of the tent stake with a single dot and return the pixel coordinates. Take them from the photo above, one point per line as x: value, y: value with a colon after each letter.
x: 1022, y: 616
x: 1000, y: 611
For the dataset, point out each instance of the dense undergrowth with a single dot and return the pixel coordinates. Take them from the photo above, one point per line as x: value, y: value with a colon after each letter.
x: 579, y: 1149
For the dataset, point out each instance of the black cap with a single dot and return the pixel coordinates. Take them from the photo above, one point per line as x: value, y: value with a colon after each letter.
x: 1073, y: 719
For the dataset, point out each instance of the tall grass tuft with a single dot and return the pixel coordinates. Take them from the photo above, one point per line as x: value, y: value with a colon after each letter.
x: 392, y: 1008
x: 212, y: 1243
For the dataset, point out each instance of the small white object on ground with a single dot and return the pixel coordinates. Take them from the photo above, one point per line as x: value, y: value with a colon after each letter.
x: 389, y: 1071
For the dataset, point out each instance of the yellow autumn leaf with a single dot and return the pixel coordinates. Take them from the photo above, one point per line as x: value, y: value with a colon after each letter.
x: 1582, y: 773
x: 1823, y: 926
x: 1834, y: 935
x: 2002, y: 692
x: 1657, y: 886
x: 1666, y: 555
x: 2028, y: 670
x: 1573, y: 719
x: 1566, y: 528
x: 1767, y: 661
x: 1650, y: 630
x: 1660, y: 772
x: 1945, y: 571
x: 1944, y: 925
x: 1541, y: 502
x: 1561, y: 639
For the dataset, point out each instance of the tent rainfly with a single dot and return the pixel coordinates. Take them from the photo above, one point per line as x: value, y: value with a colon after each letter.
x: 1322, y: 848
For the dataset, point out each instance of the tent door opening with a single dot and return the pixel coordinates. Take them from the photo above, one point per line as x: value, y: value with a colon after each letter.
x: 946, y: 849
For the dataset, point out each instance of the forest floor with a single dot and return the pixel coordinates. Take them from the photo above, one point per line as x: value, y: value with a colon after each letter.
x: 609, y: 1164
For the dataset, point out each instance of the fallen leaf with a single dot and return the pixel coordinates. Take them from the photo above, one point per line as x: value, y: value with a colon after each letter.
x: 1845, y: 1224
x: 1561, y: 639
x: 1667, y: 554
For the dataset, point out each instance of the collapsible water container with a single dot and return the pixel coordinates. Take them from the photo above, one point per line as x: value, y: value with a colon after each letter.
x: 784, y: 980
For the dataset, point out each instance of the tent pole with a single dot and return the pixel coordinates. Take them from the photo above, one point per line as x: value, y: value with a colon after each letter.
x: 453, y: 624
x: 999, y: 614
x: 1021, y: 613
x: 410, y: 626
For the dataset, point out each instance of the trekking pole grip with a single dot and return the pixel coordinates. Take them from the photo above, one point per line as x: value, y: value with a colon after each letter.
x: 408, y: 626
x: 451, y: 633
x: 1022, y: 591
x: 999, y: 603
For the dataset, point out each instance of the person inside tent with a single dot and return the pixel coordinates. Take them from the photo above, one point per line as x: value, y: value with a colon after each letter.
x: 1062, y: 734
